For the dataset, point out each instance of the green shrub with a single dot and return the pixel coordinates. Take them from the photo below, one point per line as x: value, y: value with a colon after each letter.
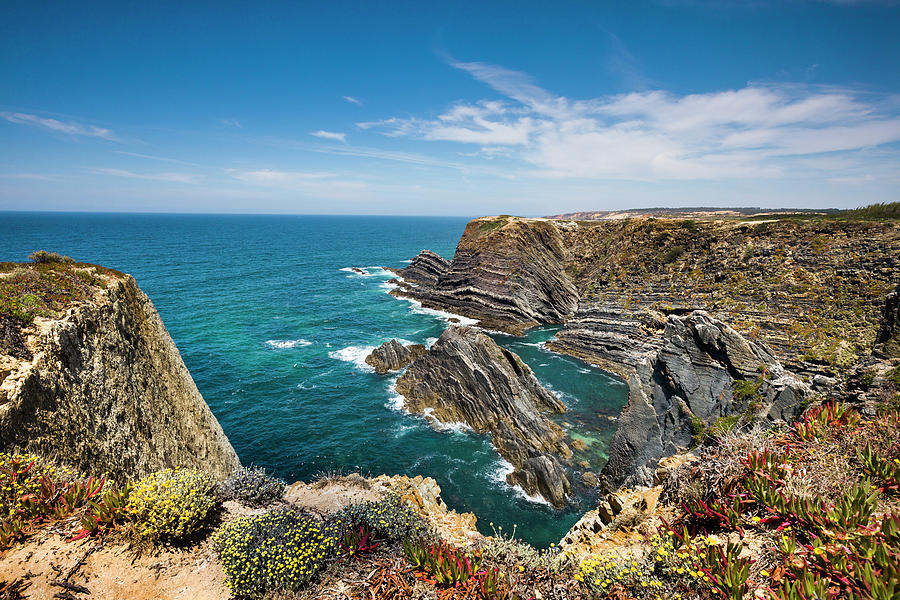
x: 388, y: 518
x: 42, y: 256
x: 277, y: 550
x: 171, y: 504
x: 253, y: 487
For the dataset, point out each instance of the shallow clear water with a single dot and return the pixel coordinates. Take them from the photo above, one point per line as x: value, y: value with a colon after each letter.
x: 274, y: 328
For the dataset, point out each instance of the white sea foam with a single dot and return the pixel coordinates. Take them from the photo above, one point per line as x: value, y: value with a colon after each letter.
x: 367, y: 271
x: 395, y: 400
x: 450, y: 426
x: 498, y: 475
x: 408, y: 261
x: 440, y: 314
x: 354, y: 354
x: 281, y: 344
x: 305, y: 385
x: 430, y: 341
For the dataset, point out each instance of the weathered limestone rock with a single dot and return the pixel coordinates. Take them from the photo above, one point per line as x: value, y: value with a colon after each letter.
x: 635, y: 513
x: 466, y: 377
x: 704, y: 371
x: 393, y: 356
x: 424, y: 494
x: 107, y: 392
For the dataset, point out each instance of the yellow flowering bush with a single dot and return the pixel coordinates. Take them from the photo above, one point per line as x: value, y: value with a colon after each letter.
x: 667, y: 567
x: 276, y: 550
x: 171, y: 504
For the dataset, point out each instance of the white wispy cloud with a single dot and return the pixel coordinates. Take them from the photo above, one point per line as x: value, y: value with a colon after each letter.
x: 760, y: 130
x: 169, y: 177
x: 330, y: 135
x: 352, y: 100
x: 318, y: 184
x: 66, y: 127
x: 159, y: 158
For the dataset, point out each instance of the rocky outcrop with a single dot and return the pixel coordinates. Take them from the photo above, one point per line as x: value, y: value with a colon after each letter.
x: 887, y: 341
x: 810, y: 288
x: 425, y: 269
x: 466, y: 377
x: 393, y: 356
x: 507, y: 272
x: 107, y: 392
x: 702, y: 376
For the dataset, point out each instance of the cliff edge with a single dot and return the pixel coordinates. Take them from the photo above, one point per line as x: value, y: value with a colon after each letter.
x: 90, y: 376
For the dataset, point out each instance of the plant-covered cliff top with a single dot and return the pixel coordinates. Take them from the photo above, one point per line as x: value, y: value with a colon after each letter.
x: 44, y: 287
x: 812, y: 289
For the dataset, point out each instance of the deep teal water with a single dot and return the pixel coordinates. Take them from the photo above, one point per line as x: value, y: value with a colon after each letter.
x: 273, y: 327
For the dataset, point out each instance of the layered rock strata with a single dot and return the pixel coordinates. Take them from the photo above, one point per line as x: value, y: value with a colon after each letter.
x: 811, y: 289
x: 507, y: 272
x: 466, y: 377
x: 701, y: 377
x: 393, y: 356
x: 103, y: 389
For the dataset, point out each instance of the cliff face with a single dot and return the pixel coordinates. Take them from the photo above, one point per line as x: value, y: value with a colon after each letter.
x: 703, y: 374
x: 104, y: 389
x: 811, y: 295
x: 507, y: 272
x: 812, y: 290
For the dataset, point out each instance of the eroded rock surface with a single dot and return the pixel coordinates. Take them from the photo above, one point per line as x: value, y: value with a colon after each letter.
x: 107, y: 392
x: 466, y: 377
x: 507, y: 272
x: 393, y: 356
x: 702, y: 376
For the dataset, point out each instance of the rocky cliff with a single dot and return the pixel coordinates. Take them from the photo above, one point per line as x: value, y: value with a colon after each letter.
x: 507, y: 272
x: 700, y: 378
x: 812, y: 289
x: 97, y: 382
x: 808, y: 293
x: 466, y: 377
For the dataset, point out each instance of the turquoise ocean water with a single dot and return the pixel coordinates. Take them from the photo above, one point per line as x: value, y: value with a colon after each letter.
x: 274, y: 328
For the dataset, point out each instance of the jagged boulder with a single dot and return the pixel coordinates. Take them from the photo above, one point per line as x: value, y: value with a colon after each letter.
x: 466, y: 377
x: 393, y: 356
x: 703, y: 375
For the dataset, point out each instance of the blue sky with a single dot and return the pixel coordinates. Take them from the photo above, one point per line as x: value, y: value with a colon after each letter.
x: 448, y: 108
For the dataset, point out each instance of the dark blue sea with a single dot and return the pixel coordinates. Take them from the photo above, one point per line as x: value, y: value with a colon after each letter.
x: 274, y: 327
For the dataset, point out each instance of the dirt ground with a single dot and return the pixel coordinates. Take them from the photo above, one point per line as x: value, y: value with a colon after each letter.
x: 54, y: 567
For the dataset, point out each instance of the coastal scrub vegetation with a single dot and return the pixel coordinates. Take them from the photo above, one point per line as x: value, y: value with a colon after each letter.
x: 253, y: 487
x: 802, y: 512
x: 169, y: 505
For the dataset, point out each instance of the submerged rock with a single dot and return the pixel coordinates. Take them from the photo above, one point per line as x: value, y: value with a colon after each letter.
x: 393, y: 356
x: 466, y: 377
